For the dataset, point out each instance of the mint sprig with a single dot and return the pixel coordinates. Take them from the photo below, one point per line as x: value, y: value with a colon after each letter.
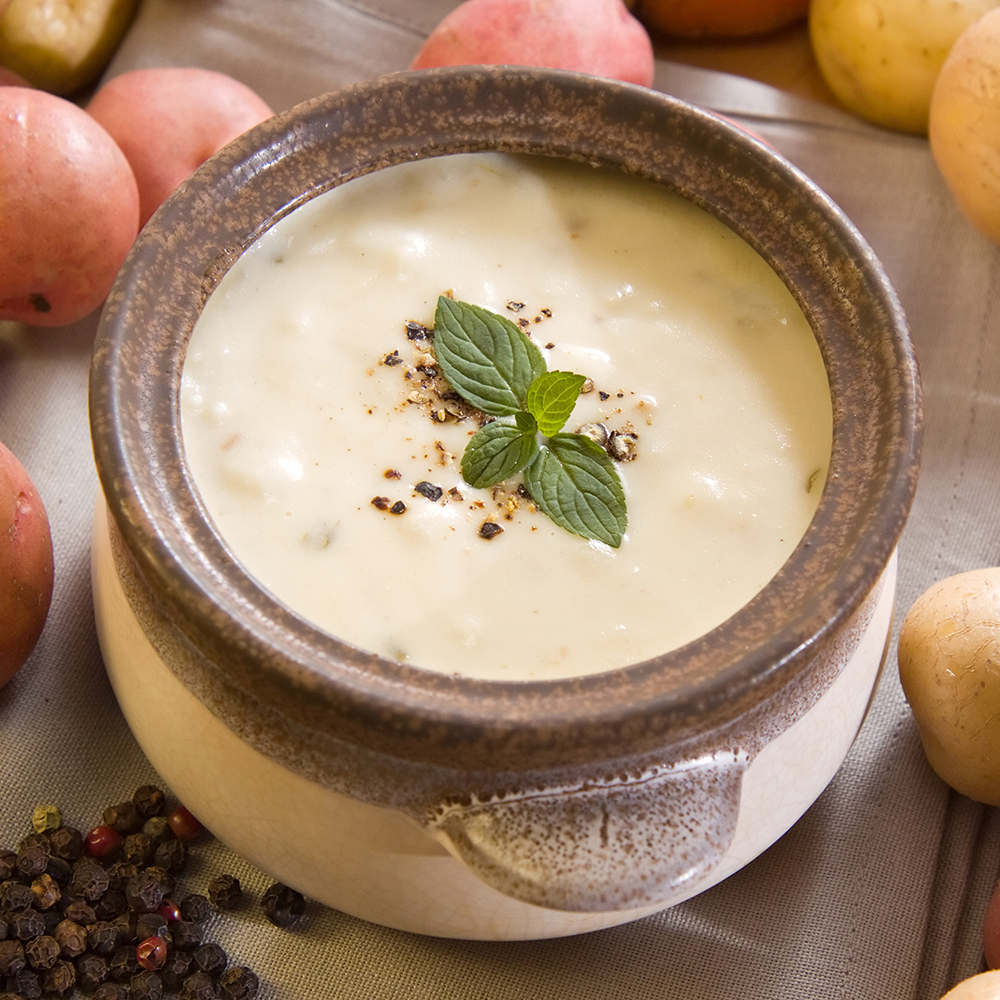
x: 489, y: 362
x: 492, y: 364
x: 500, y: 450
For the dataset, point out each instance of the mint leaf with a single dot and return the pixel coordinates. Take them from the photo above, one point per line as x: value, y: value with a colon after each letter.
x: 551, y: 398
x: 485, y: 357
x: 499, y: 449
x: 575, y: 483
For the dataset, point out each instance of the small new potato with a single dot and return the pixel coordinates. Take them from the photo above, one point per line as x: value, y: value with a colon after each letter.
x: 69, y: 208
x: 949, y: 666
x: 62, y: 46
x: 26, y: 566
x: 985, y: 986
x: 965, y: 123
x: 169, y: 120
x: 589, y: 36
x: 881, y: 57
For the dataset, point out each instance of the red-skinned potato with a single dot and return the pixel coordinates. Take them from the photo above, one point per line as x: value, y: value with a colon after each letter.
x: 26, y: 567
x: 169, y: 120
x: 588, y: 36
x: 69, y: 205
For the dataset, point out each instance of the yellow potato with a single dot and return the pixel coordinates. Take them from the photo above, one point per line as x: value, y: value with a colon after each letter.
x: 965, y: 123
x: 985, y: 986
x: 949, y: 666
x: 881, y: 57
x: 62, y: 45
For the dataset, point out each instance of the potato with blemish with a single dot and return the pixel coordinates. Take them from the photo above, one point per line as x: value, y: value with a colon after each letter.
x: 949, y: 666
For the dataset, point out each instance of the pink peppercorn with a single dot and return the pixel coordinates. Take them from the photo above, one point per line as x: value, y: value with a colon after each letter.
x: 184, y: 825
x: 152, y: 953
x: 101, y: 841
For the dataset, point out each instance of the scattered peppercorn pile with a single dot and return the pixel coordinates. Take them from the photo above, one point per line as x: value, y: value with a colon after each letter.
x: 100, y: 912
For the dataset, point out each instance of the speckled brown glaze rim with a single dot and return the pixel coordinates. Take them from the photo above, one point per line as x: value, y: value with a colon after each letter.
x: 323, y: 685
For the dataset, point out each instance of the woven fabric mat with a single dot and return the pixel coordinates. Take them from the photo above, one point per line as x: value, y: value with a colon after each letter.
x: 877, y: 892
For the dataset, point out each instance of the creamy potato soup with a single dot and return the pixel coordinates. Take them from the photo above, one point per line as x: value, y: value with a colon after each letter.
x: 327, y: 449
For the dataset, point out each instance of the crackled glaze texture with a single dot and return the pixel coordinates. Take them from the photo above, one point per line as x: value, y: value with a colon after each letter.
x: 699, y: 737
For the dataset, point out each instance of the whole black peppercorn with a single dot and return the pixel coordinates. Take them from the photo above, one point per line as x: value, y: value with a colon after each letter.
x: 138, y: 849
x: 35, y: 840
x: 32, y: 861
x: 47, y: 892
x: 59, y: 870
x: 171, y: 855
x: 8, y: 864
x: 126, y: 924
x: 26, y: 924
x: 238, y: 983
x: 225, y: 891
x: 60, y: 979
x: 148, y: 925
x: 124, y: 818
x: 144, y: 892
x: 15, y: 896
x: 112, y: 904
x: 72, y: 938
x: 146, y: 985
x: 149, y: 801
x: 80, y: 912
x: 196, y: 908
x: 12, y: 959
x: 110, y: 990
x: 283, y: 905
x: 119, y: 872
x: 165, y: 878
x: 104, y: 937
x: 124, y: 964
x: 176, y: 969
x: 91, y: 971
x: 198, y: 986
x: 41, y: 952
x: 187, y: 934
x: 210, y: 958
x: 90, y: 879
x: 66, y: 843
x: 27, y: 985
x: 3, y: 927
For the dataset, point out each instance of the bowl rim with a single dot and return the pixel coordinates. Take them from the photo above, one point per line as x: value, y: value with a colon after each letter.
x: 320, y: 683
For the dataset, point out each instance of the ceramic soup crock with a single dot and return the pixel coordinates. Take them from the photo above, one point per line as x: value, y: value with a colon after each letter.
x: 470, y: 808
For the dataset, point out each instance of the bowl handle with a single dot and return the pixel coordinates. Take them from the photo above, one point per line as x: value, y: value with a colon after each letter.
x: 614, y: 844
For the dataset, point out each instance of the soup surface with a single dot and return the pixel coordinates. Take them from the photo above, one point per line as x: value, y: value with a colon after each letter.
x: 310, y: 417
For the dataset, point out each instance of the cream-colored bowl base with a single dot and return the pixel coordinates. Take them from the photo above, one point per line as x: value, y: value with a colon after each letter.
x: 375, y: 863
